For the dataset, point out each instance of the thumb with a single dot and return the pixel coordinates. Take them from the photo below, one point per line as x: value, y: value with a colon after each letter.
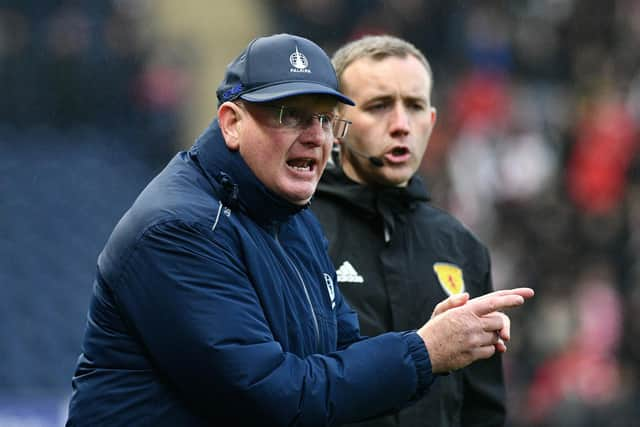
x: 452, y: 302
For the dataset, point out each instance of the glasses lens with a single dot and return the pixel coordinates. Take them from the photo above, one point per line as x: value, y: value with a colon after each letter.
x: 296, y: 118
x: 326, y: 121
x: 291, y: 117
x: 340, y: 128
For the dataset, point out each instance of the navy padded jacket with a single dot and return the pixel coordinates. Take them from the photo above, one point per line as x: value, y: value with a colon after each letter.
x: 215, y: 303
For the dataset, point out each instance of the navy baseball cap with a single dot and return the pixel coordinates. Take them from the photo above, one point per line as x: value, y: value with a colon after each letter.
x: 280, y: 66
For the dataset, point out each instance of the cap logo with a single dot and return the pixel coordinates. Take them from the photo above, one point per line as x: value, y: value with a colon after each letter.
x: 299, y: 62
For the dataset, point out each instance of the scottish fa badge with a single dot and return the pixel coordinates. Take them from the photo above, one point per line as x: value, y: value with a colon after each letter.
x: 450, y: 277
x: 332, y: 292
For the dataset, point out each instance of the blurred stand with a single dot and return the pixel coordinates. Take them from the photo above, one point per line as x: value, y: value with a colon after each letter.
x: 96, y: 97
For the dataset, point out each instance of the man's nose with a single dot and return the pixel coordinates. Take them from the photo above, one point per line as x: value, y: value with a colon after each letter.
x: 399, y: 120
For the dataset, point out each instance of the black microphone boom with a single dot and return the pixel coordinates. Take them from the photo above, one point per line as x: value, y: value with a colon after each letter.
x: 375, y: 161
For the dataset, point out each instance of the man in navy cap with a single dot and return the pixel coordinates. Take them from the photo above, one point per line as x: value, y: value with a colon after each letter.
x: 215, y: 301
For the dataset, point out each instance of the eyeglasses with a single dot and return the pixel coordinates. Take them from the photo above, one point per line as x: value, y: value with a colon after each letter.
x: 299, y: 119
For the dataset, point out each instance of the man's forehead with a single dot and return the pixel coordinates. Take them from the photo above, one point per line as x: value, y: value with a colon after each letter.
x: 410, y: 91
x: 371, y: 78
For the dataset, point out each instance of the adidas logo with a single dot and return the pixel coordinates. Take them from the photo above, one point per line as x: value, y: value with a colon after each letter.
x: 347, y: 274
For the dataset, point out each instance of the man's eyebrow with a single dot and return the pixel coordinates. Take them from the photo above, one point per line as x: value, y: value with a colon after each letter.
x: 379, y: 98
x: 391, y: 98
x: 423, y: 99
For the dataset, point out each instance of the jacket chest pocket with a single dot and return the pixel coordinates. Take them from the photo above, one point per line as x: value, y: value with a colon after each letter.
x: 311, y: 324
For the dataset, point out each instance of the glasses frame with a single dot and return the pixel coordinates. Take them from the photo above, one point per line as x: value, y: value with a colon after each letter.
x: 338, y: 127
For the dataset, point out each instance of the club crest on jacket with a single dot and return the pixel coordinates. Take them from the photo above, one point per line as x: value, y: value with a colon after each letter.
x: 450, y: 277
x: 332, y: 292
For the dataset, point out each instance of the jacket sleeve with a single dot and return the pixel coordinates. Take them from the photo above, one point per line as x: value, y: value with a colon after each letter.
x: 483, y: 382
x: 192, y: 304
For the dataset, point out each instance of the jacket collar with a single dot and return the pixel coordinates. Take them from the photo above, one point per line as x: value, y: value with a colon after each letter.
x: 336, y: 184
x: 236, y: 185
x: 389, y: 203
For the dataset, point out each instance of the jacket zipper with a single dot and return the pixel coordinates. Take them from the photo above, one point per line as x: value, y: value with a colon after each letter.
x: 313, y: 313
x: 306, y: 292
x: 387, y: 234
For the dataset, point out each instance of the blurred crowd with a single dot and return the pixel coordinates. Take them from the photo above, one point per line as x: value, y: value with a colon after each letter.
x: 66, y: 64
x: 535, y: 149
x: 88, y: 112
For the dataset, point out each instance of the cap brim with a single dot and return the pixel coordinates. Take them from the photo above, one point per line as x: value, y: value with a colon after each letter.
x: 285, y: 90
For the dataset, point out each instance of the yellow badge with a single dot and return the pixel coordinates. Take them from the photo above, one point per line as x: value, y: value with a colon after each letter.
x: 450, y: 277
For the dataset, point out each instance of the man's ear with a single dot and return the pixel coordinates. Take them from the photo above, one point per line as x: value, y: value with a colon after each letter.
x: 230, y: 118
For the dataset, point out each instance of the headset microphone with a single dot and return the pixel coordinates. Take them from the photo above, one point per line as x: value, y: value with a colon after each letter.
x: 375, y: 161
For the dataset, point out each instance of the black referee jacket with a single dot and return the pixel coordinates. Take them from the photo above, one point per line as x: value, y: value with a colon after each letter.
x: 396, y: 257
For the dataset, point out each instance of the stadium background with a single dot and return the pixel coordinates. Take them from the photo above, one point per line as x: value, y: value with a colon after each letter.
x: 536, y: 150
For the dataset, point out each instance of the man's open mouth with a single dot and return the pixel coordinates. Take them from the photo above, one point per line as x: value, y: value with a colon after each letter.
x: 399, y: 151
x: 302, y: 165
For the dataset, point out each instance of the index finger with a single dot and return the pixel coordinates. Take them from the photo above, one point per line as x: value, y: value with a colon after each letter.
x: 523, y: 292
x: 494, y: 302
